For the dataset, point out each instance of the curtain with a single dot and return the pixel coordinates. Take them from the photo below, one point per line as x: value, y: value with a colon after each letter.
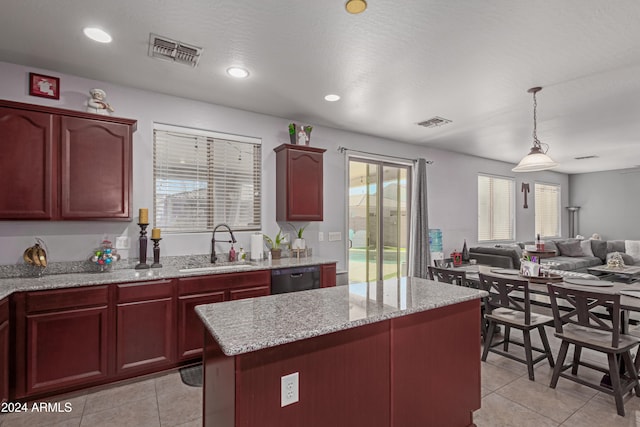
x: 419, y: 257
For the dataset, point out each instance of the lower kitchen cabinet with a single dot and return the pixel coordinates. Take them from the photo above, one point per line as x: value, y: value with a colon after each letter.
x: 199, y: 290
x: 67, y: 333
x: 191, y: 334
x: 4, y: 350
x: 145, y: 326
x: 328, y: 275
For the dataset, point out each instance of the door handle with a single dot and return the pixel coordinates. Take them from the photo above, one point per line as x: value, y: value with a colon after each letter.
x: 296, y: 275
x: 350, y: 243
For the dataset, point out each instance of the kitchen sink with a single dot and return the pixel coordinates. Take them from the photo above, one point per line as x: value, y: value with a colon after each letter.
x: 218, y: 267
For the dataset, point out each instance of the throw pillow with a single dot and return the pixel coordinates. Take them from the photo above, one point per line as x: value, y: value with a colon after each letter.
x: 599, y: 249
x: 615, y: 245
x: 550, y: 245
x: 585, y: 245
x: 570, y: 248
x: 632, y: 247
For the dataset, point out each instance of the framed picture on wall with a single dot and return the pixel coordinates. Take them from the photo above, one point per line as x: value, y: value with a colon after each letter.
x: 44, y: 86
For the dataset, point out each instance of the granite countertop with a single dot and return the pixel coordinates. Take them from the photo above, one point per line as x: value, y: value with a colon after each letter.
x: 126, y: 275
x: 253, y: 324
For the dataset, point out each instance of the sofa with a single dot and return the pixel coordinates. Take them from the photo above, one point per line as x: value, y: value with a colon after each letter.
x: 571, y: 254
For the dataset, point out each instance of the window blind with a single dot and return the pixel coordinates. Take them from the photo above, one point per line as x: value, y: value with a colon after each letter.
x: 202, y: 179
x: 496, y: 208
x: 547, y: 201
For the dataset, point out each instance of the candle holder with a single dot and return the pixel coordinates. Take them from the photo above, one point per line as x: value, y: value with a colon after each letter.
x: 156, y: 253
x: 142, y: 265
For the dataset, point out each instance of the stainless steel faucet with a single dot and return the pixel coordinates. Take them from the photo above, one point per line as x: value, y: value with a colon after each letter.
x: 214, y: 258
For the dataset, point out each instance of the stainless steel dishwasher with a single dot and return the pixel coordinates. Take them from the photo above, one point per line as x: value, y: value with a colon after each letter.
x: 295, y: 279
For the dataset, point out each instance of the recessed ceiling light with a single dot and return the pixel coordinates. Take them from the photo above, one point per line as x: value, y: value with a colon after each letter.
x: 98, y: 35
x: 332, y: 97
x: 356, y: 6
x: 237, y: 72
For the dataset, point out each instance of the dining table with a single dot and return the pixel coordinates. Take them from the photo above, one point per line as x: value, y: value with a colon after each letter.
x: 629, y: 292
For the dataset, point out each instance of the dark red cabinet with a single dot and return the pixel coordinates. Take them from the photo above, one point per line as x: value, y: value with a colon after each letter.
x: 95, y: 169
x: 145, y: 325
x: 27, y: 161
x: 299, y: 183
x: 194, y: 291
x: 67, y: 334
x: 64, y: 164
x: 328, y: 276
x: 4, y: 350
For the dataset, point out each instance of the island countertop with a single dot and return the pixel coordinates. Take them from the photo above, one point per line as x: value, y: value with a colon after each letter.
x: 253, y: 324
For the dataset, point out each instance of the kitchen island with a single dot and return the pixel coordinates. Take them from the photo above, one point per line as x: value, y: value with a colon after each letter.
x: 396, y: 353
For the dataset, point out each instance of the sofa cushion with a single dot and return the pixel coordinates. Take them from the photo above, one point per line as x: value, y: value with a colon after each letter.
x: 503, y: 251
x: 632, y: 248
x: 570, y: 248
x: 586, y: 248
x: 571, y: 263
x: 599, y: 249
x: 615, y: 246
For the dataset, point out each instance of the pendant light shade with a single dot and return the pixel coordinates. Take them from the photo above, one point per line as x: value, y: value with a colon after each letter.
x: 537, y: 159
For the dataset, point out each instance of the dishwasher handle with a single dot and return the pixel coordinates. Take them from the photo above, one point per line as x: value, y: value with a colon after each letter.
x: 296, y: 275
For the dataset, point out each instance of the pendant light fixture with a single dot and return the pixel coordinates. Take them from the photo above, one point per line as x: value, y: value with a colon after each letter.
x: 537, y: 159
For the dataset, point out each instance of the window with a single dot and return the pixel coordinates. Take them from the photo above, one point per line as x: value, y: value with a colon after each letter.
x: 203, y: 178
x: 496, y: 208
x: 547, y: 201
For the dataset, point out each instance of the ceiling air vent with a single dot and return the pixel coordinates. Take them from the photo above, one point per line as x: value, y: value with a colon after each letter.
x: 172, y: 50
x: 585, y: 157
x: 434, y: 122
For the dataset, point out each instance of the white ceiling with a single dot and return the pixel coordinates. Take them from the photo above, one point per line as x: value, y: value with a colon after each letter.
x: 397, y: 64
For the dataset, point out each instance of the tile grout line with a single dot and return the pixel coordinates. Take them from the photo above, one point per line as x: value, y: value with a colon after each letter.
x: 155, y: 388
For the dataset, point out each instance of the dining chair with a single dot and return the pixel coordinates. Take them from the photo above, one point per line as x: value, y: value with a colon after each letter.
x: 508, y: 304
x: 457, y: 277
x: 448, y: 275
x: 583, y: 328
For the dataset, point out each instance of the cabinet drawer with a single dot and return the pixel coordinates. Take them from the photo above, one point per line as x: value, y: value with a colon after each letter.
x: 60, y: 299
x: 256, y: 291
x: 131, y: 292
x: 195, y: 285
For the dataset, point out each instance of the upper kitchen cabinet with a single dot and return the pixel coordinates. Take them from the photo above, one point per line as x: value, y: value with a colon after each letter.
x: 299, y: 184
x: 65, y: 165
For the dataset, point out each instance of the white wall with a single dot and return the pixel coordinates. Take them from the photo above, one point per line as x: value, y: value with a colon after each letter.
x: 609, y: 204
x: 452, y: 177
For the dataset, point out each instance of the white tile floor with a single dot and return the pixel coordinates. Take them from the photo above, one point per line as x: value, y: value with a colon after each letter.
x: 508, y: 399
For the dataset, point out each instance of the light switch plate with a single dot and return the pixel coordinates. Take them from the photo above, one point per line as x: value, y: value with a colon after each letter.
x: 320, y: 236
x: 122, y: 242
x: 289, y: 392
x: 334, y: 236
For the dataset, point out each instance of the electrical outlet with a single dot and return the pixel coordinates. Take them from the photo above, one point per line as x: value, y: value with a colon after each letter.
x: 289, y: 392
x: 122, y: 242
x: 320, y: 236
x: 334, y: 236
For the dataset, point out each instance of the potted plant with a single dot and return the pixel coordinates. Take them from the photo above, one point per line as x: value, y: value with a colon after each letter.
x: 307, y: 130
x: 292, y: 133
x: 274, y: 245
x: 299, y: 242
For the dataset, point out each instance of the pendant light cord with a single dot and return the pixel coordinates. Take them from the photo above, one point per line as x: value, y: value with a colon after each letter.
x: 536, y: 142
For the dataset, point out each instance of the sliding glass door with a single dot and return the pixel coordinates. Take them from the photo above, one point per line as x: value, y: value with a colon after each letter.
x: 378, y: 220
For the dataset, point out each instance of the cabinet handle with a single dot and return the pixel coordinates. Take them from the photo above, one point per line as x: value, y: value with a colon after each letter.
x: 296, y: 275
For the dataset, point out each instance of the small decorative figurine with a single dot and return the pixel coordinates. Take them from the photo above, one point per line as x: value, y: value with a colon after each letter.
x: 302, y: 136
x: 97, y: 103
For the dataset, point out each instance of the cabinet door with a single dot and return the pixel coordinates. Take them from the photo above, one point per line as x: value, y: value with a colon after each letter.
x: 145, y: 328
x: 66, y: 348
x: 256, y: 291
x: 95, y: 169
x: 27, y: 164
x: 299, y: 183
x: 190, y: 327
x: 328, y: 275
x: 4, y: 351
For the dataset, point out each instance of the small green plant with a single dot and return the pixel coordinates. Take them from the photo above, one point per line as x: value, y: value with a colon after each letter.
x: 298, y: 231
x: 292, y: 128
x: 308, y: 129
x: 274, y: 243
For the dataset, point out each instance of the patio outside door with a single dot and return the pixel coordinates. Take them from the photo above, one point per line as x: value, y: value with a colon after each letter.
x: 378, y: 220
